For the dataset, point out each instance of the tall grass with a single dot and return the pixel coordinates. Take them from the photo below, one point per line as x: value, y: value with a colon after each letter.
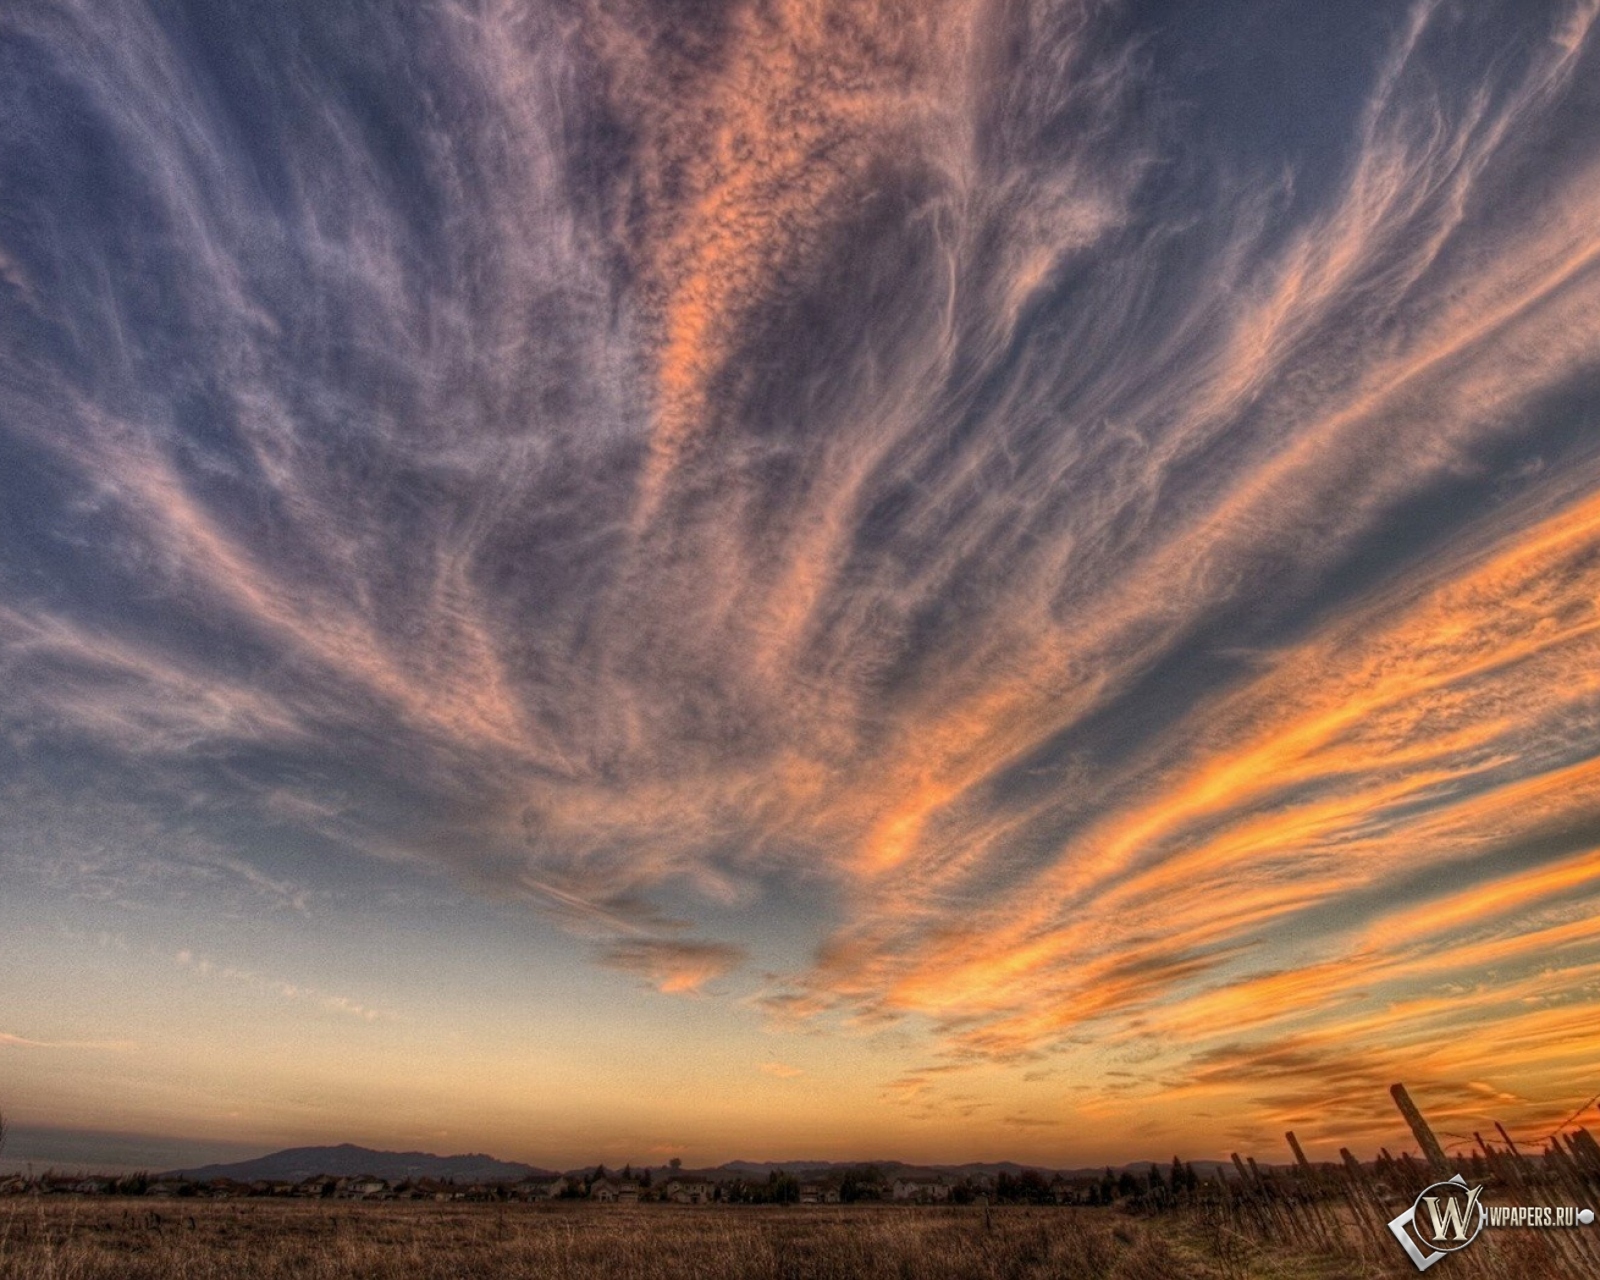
x: 66, y: 1239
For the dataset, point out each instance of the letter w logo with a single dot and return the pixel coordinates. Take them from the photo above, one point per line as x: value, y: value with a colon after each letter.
x: 1450, y: 1222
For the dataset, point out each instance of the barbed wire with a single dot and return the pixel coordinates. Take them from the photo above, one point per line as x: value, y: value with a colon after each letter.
x: 1551, y: 1136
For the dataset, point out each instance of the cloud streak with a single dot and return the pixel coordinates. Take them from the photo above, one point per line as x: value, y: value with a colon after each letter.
x: 10, y: 1041
x: 207, y: 968
x: 673, y: 966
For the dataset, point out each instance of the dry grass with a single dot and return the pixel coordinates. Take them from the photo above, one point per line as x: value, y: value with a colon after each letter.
x: 67, y: 1238
x: 70, y: 1239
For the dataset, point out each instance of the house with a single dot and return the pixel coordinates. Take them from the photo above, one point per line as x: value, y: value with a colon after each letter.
x: 482, y: 1192
x: 615, y: 1191
x: 366, y: 1188
x: 920, y: 1189
x: 688, y: 1188
x: 539, y: 1188
x: 313, y: 1187
x: 432, y: 1189
x: 167, y: 1189
x: 94, y: 1187
x: 818, y: 1193
x: 225, y: 1189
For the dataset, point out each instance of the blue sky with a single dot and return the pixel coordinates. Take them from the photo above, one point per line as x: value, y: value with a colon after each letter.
x: 952, y: 580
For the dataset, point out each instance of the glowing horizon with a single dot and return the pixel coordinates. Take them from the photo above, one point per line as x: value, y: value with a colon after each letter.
x: 940, y: 581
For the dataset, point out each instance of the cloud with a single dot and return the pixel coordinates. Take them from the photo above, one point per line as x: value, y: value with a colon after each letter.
x: 1030, y: 1122
x: 781, y: 1070
x: 1098, y: 568
x: 674, y: 966
x: 10, y: 1041
x: 207, y: 968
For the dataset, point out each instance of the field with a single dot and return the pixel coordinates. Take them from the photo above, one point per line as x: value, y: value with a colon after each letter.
x: 100, y: 1238
x: 66, y: 1238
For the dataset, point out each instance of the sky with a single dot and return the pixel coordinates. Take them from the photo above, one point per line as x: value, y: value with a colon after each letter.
x: 771, y: 579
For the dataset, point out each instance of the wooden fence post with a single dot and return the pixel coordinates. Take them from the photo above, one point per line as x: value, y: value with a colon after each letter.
x: 1425, y: 1139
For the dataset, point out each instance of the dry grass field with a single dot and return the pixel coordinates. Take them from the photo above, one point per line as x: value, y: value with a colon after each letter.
x: 65, y: 1238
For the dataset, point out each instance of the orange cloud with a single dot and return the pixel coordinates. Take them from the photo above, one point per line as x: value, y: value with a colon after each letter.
x: 673, y: 966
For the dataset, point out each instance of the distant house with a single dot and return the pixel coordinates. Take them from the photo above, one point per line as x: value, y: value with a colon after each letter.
x: 226, y: 1189
x: 818, y: 1193
x: 366, y: 1188
x: 615, y: 1191
x: 539, y: 1188
x: 93, y: 1187
x: 688, y: 1188
x: 319, y: 1185
x: 167, y: 1188
x: 432, y: 1189
x: 920, y: 1189
x: 267, y: 1187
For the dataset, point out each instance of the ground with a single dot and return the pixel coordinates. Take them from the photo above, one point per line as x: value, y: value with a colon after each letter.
x: 68, y: 1238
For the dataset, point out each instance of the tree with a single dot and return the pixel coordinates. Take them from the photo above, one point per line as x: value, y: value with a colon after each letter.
x: 1183, y: 1177
x: 861, y: 1182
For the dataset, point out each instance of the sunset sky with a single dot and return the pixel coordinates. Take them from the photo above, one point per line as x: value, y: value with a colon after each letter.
x: 618, y: 579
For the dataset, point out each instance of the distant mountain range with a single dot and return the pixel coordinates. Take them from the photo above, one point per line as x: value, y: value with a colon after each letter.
x: 347, y: 1160
x: 751, y: 1169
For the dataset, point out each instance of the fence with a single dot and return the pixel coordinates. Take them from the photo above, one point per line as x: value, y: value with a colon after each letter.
x: 1345, y: 1208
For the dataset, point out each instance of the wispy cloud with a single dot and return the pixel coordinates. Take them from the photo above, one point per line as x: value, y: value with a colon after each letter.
x: 314, y: 996
x: 674, y: 966
x: 10, y: 1041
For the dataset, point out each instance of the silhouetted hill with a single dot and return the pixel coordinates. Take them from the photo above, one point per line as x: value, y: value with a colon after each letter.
x: 755, y: 1170
x: 759, y: 1169
x: 347, y: 1160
